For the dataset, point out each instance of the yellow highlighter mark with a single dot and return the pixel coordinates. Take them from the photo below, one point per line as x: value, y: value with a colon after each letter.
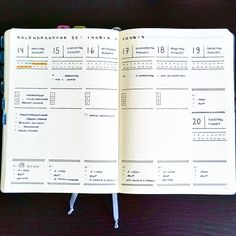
x: 24, y: 67
x: 32, y: 65
x: 39, y: 63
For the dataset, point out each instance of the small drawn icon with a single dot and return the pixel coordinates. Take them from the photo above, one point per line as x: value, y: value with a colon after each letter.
x: 52, y: 98
x: 123, y: 99
x: 22, y: 165
x: 87, y: 98
x: 158, y: 98
x: 17, y: 98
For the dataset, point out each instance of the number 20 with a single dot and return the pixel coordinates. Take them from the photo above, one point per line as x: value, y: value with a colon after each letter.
x: 196, y: 121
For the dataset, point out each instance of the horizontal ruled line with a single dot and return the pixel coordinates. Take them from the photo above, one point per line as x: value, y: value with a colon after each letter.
x: 29, y: 57
x: 98, y: 108
x: 208, y: 128
x: 183, y: 184
x: 144, y: 185
x: 101, y: 89
x: 29, y: 88
x: 67, y: 61
x: 137, y: 161
x: 203, y: 112
x: 173, y: 161
x: 63, y: 160
x: 127, y: 89
x: 170, y: 61
x: 28, y: 159
x: 208, y: 89
x: 32, y: 60
x: 172, y: 108
x: 137, y: 61
x: 171, y: 57
x: 171, y: 88
x: 100, y: 161
x: 112, y: 58
x: 66, y: 57
x: 66, y: 108
x: 211, y: 132
x: 137, y: 108
x: 138, y: 69
x: 209, y: 161
x: 209, y: 140
x: 210, y: 61
x: 31, y: 107
x: 68, y: 88
x: 209, y: 184
x: 137, y: 57
x: 27, y: 183
x: 210, y: 57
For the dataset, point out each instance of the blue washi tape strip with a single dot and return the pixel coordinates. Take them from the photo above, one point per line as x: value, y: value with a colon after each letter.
x: 2, y: 42
x: 4, y: 118
x: 2, y: 87
x: 1, y: 71
x: 1, y: 57
x: 3, y: 104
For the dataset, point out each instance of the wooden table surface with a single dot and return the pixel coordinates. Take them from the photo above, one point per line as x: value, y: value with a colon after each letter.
x: 45, y: 214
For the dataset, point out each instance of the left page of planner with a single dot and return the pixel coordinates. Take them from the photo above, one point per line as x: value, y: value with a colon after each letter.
x: 61, y: 107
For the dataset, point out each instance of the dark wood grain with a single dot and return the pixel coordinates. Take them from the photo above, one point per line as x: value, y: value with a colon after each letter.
x: 45, y: 214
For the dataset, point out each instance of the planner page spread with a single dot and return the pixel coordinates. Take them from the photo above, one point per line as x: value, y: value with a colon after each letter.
x: 102, y: 111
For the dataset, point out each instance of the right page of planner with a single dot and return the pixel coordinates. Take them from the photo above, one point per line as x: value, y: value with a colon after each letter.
x: 177, y: 132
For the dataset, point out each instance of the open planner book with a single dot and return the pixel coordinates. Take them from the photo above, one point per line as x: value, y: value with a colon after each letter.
x: 102, y: 111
